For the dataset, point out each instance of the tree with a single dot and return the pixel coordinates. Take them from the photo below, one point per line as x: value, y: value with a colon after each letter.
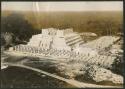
x: 3, y: 42
x: 17, y: 24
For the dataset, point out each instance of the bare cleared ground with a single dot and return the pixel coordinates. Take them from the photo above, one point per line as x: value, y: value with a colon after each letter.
x: 12, y: 74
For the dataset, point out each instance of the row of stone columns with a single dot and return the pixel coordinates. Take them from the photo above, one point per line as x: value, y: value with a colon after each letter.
x: 23, y: 48
x: 104, y: 61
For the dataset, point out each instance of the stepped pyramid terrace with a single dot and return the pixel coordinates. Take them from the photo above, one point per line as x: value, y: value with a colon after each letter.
x: 65, y: 43
x: 64, y: 40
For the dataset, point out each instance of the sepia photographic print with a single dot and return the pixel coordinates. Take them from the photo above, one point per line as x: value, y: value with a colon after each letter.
x: 73, y: 44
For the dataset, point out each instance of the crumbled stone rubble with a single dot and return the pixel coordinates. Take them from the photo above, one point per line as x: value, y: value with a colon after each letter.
x: 101, y: 74
x: 92, y: 72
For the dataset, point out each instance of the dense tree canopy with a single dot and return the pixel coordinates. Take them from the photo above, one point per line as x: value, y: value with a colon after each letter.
x: 18, y: 25
x: 23, y: 25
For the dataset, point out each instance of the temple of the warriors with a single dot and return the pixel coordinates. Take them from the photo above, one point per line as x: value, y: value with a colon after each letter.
x: 64, y: 41
x: 68, y: 44
x: 51, y: 38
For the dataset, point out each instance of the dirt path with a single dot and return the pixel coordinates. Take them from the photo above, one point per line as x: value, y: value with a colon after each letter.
x: 69, y: 81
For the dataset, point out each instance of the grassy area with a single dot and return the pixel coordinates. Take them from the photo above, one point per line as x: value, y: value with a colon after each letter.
x: 68, y: 69
x: 14, y: 77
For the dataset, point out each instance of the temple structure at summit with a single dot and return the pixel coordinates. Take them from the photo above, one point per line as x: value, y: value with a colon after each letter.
x: 56, y: 39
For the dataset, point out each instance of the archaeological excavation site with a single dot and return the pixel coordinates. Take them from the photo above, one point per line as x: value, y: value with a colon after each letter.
x: 61, y: 49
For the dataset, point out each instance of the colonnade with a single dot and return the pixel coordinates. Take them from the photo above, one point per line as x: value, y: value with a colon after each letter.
x: 101, y: 60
